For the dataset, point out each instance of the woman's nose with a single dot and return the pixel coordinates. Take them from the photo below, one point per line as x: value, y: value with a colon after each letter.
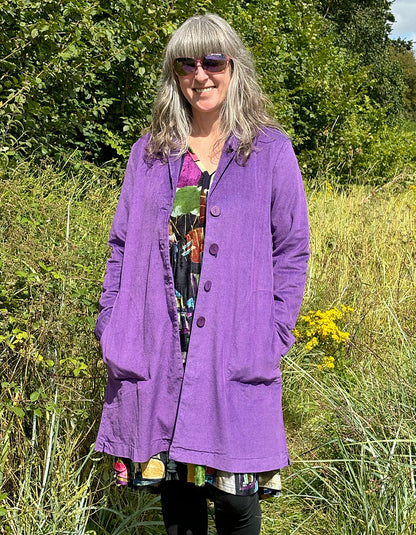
x: 200, y: 74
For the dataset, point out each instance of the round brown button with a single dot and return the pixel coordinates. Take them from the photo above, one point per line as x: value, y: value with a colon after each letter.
x: 200, y: 321
x: 213, y: 249
x: 207, y: 286
x: 215, y: 211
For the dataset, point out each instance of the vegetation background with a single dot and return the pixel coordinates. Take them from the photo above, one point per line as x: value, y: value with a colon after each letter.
x: 77, y: 81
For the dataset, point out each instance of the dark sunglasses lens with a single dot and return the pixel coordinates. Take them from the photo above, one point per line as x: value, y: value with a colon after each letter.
x: 184, y: 66
x: 214, y: 63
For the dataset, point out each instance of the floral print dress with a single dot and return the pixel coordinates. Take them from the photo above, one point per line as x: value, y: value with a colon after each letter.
x: 186, y: 242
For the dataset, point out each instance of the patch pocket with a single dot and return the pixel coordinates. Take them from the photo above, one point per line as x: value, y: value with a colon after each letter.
x: 124, y: 358
x: 254, y: 357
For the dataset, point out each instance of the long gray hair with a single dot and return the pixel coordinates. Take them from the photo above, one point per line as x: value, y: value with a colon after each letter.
x: 243, y: 112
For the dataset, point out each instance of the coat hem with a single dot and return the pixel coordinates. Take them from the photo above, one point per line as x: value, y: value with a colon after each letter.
x: 227, y: 464
x: 118, y: 449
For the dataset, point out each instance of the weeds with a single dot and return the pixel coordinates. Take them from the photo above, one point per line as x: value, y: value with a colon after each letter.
x: 352, y: 431
x: 350, y: 427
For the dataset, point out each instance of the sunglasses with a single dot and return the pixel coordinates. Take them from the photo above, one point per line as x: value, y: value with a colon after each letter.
x: 212, y: 63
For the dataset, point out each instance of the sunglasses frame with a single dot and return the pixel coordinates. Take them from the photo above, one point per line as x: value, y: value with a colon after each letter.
x: 199, y: 62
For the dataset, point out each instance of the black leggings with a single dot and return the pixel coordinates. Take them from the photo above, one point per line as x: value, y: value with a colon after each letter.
x: 184, y: 509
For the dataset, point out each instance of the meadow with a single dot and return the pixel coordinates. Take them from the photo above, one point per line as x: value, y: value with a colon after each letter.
x: 349, y: 381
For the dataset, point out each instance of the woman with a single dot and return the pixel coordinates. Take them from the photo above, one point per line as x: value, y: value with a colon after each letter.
x: 204, y: 283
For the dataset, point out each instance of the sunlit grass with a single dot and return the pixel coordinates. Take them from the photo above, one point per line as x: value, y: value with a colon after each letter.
x: 352, y: 431
x: 351, y: 428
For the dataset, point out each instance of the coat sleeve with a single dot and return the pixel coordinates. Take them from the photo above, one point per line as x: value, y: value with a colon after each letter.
x: 116, y: 241
x: 290, y: 233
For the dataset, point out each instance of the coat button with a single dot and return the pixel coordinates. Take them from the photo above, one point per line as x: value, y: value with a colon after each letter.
x: 207, y: 286
x: 213, y: 249
x: 215, y: 211
x: 200, y: 321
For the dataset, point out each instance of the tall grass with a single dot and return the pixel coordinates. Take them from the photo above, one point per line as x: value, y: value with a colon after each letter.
x: 351, y: 430
x: 54, y: 228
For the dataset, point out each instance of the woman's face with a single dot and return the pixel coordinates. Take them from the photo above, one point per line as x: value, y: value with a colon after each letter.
x: 205, y: 91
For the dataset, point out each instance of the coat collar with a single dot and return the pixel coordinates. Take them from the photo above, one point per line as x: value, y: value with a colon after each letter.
x: 228, y: 155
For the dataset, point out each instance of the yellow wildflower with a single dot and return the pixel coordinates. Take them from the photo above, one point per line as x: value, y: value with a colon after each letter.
x: 313, y: 342
x: 296, y: 334
x: 319, y: 329
x: 329, y: 362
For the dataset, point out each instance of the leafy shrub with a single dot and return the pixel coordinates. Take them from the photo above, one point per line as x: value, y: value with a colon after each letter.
x: 51, y: 265
x: 364, y: 148
x: 80, y: 77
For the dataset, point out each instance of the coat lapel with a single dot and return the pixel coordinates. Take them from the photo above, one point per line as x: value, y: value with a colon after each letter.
x: 174, y: 165
x: 227, y: 156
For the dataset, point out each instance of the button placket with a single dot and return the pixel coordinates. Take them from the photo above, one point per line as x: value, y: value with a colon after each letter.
x: 215, y: 211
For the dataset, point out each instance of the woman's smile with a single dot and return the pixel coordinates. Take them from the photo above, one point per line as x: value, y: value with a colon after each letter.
x: 203, y: 89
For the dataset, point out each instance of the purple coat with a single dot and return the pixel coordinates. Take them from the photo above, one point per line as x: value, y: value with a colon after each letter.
x: 225, y: 410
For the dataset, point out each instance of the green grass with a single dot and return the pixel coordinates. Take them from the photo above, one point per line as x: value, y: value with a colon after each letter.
x: 351, y: 430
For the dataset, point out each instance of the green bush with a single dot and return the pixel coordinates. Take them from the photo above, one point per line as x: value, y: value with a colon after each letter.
x: 362, y: 149
x: 80, y: 78
x: 80, y: 75
x: 52, y: 260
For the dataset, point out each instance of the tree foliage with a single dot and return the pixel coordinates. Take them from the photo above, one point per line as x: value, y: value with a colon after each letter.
x: 362, y: 27
x: 80, y: 74
x: 78, y: 77
x: 406, y: 58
